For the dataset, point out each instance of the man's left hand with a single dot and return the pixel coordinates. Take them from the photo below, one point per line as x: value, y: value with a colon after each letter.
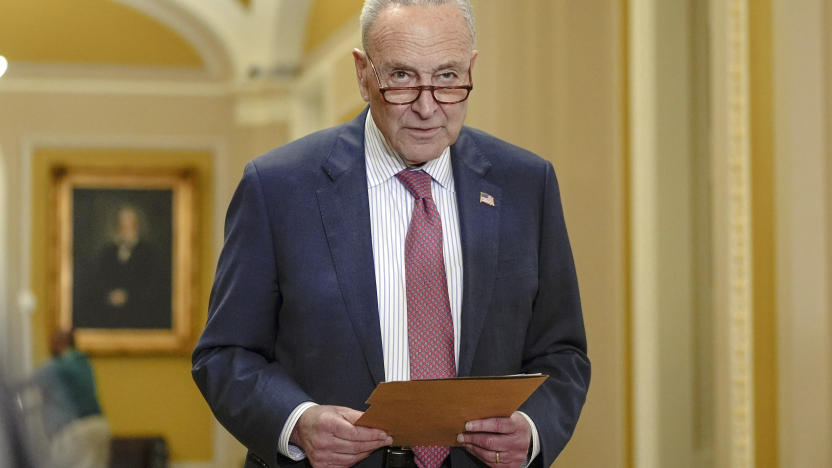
x: 499, y: 442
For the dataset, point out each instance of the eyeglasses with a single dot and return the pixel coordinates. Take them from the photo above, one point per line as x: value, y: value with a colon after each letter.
x: 409, y: 94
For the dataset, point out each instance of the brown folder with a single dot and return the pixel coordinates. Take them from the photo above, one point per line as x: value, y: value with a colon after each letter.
x: 433, y: 412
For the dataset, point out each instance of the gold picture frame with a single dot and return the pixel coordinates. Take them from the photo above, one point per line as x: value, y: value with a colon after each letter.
x: 124, y: 257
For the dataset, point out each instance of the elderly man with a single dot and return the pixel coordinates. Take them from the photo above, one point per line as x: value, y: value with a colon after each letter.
x: 398, y: 246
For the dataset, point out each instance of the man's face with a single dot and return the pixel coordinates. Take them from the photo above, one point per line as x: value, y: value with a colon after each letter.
x: 128, y: 225
x: 415, y: 46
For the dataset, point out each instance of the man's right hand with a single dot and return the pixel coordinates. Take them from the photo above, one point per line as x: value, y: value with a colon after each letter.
x: 329, y: 436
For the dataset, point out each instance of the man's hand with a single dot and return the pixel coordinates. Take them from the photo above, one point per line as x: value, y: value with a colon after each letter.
x: 329, y: 437
x: 499, y: 442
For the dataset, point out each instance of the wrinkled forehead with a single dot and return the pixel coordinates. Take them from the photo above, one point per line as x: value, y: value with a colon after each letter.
x: 420, y: 34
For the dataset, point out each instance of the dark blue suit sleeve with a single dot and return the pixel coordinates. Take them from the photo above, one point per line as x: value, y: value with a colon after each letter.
x: 556, y: 340
x: 234, y: 364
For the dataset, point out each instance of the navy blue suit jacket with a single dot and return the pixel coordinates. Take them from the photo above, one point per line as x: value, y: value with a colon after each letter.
x: 293, y: 311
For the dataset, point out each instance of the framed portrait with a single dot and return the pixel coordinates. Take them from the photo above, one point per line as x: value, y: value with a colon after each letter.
x: 124, y: 257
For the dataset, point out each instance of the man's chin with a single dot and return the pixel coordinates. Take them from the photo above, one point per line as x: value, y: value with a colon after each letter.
x: 417, y: 154
x: 419, y: 159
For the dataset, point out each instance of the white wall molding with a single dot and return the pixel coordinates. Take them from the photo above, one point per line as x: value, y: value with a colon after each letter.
x: 107, y: 86
x: 316, y: 103
x: 259, y: 103
x: 643, y: 126
x: 731, y: 159
x: 138, y: 141
x: 740, y: 318
x: 26, y: 301
x: 6, y: 350
x: 662, y: 232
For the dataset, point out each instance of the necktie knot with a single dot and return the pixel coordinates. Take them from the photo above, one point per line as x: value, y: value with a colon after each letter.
x: 416, y: 182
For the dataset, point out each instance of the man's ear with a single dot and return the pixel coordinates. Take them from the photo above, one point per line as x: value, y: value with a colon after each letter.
x: 360, y: 59
x: 473, y: 60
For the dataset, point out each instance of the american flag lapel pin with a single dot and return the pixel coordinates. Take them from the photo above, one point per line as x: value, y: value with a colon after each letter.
x: 486, y: 198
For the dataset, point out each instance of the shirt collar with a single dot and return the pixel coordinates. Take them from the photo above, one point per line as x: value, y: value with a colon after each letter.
x: 383, y: 162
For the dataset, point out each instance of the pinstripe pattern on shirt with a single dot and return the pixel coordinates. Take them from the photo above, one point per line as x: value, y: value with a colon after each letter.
x: 390, y: 208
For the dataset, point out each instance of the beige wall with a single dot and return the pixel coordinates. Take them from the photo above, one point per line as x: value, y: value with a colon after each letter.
x: 631, y: 101
x: 803, y: 86
x: 549, y: 78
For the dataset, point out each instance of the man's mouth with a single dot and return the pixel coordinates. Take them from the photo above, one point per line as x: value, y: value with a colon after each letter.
x: 424, y: 132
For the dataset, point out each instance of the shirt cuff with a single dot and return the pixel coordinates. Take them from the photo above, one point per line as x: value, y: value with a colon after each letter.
x: 283, y: 446
x: 535, y: 438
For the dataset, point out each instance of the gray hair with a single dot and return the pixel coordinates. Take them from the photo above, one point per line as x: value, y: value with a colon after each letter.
x: 372, y: 8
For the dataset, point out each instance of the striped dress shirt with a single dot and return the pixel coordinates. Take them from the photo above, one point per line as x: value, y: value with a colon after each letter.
x: 391, y: 205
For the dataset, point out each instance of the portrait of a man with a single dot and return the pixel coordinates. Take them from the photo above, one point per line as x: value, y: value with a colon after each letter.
x: 122, y: 258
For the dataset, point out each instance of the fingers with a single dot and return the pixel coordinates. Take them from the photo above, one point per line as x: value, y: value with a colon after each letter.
x: 494, y: 425
x: 496, y: 458
x: 349, y: 414
x: 515, y: 423
x: 337, y: 421
x: 329, y: 437
x: 352, y: 432
x: 498, y: 441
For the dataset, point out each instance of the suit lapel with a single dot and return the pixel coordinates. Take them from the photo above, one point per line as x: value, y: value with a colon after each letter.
x: 479, y: 232
x: 345, y: 214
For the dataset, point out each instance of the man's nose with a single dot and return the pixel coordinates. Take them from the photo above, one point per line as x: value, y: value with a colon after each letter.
x: 425, y: 105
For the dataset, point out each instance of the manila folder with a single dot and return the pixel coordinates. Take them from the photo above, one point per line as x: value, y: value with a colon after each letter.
x: 434, y: 411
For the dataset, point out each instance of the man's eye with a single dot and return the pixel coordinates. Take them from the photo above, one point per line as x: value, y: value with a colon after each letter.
x: 448, y: 78
x: 400, y: 75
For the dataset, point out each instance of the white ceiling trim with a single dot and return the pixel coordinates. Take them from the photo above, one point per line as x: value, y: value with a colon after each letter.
x: 263, y: 40
x: 217, y: 56
x: 111, y: 86
x: 238, y: 45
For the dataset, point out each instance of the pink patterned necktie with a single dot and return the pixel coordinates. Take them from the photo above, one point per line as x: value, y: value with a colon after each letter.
x: 430, y: 329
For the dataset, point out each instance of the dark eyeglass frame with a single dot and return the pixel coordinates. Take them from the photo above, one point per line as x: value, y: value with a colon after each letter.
x: 432, y: 89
